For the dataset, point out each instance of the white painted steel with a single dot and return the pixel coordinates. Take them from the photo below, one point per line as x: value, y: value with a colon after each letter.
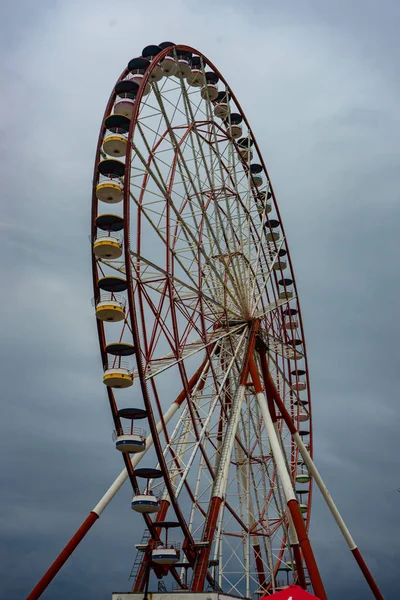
x: 292, y: 533
x: 276, y: 449
x: 220, y: 481
x: 207, y: 420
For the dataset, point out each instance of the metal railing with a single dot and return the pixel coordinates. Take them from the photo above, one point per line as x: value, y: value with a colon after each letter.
x: 115, y: 362
x: 109, y: 297
x: 115, y: 131
x: 111, y: 178
x: 103, y: 234
x: 169, y: 546
x: 129, y: 431
x: 157, y: 493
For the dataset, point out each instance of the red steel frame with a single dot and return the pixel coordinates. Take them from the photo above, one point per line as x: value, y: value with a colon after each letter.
x: 214, y: 507
x: 188, y: 544
x: 197, y: 559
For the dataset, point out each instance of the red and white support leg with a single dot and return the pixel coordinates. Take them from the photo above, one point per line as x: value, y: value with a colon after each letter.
x: 292, y: 534
x: 320, y: 483
x: 284, y: 476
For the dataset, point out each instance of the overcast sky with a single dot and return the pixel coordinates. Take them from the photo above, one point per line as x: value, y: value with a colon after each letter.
x: 319, y: 82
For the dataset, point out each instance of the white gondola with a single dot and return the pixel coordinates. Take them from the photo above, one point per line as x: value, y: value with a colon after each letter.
x: 303, y: 417
x: 280, y: 265
x: 291, y: 325
x: 221, y: 111
x: 110, y: 307
x: 138, y: 78
x: 150, y: 53
x: 118, y: 378
x: 157, y: 73
x: 110, y: 191
x: 107, y: 247
x: 234, y: 131
x: 145, y: 503
x: 124, y: 107
x: 110, y: 311
x: 183, y: 69
x: 256, y: 180
x: 115, y: 144
x: 164, y: 556
x: 303, y: 508
x: 272, y: 236
x: 131, y: 443
x: 303, y: 478
x: 299, y: 386
x: 169, y: 66
x: 196, y: 78
x: 245, y: 154
x: 286, y: 295
x: 209, y: 91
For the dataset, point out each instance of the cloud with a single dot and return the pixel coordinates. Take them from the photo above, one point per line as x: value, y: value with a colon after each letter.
x: 317, y: 85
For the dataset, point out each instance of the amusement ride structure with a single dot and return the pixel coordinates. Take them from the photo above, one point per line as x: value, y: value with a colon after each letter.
x: 201, y: 339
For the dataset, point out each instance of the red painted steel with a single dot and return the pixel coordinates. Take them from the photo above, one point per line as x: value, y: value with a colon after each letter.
x: 297, y: 517
x: 260, y: 566
x: 307, y: 550
x: 367, y: 574
x: 63, y: 557
x: 200, y: 570
x: 299, y: 565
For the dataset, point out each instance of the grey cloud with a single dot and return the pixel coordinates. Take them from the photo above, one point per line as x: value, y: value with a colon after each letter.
x: 319, y: 89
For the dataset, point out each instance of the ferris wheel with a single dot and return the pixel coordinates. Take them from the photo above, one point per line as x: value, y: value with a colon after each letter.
x: 196, y: 288
x: 201, y: 336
